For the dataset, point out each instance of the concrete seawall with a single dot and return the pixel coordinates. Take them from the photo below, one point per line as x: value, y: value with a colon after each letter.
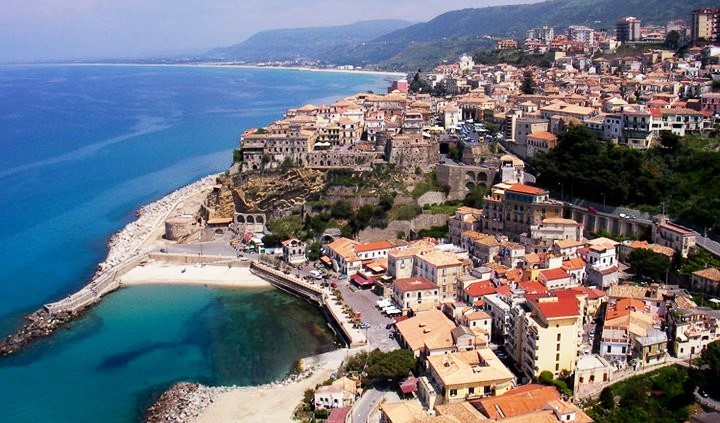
x: 332, y: 311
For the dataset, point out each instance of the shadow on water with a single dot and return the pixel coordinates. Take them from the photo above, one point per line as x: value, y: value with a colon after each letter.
x: 120, y: 360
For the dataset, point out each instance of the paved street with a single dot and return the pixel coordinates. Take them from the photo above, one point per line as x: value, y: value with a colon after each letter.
x: 366, y: 408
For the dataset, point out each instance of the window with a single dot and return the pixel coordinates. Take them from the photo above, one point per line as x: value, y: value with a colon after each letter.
x: 453, y: 392
x: 471, y: 390
x: 558, y: 337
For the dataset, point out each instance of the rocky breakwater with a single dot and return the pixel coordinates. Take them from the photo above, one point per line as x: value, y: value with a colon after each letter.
x: 38, y: 324
x: 123, y: 246
x: 126, y: 243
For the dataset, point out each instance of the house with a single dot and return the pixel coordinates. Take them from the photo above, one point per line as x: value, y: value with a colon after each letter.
x: 540, y: 141
x: 294, y: 251
x: 672, y: 235
x: 517, y: 401
x: 707, y: 281
x: 415, y: 331
x: 591, y: 369
x: 556, y: 278
x: 416, y: 290
x: 340, y: 393
x: 464, y: 375
x: 464, y: 219
x: 442, y: 268
x: 342, y: 254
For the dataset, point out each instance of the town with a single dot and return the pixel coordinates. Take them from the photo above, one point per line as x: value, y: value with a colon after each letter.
x: 520, y: 311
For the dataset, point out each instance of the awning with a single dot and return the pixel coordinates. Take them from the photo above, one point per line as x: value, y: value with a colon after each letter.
x: 360, y: 280
x: 409, y: 385
x: 326, y: 260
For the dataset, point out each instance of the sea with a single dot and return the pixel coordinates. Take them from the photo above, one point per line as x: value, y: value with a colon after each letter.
x: 82, y: 147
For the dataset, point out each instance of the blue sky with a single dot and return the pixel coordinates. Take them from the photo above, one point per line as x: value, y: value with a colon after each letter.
x: 32, y: 30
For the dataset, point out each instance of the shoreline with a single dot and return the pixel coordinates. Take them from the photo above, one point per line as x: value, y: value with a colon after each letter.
x: 192, y: 402
x: 123, y: 249
x: 215, y: 275
x: 216, y: 65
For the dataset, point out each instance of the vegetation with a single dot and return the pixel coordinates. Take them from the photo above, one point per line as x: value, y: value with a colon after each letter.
x: 698, y: 261
x: 646, y: 263
x: 528, y: 84
x: 664, y: 395
x: 710, y: 360
x: 237, y: 156
x: 434, y: 232
x: 380, y: 366
x: 546, y: 378
x: 429, y: 184
x: 445, y: 208
x: 475, y: 197
x: 683, y: 178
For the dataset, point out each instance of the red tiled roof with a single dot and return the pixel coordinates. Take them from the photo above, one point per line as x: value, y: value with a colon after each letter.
x: 414, y: 284
x: 574, y: 264
x: 563, y: 306
x: 517, y: 401
x: 527, y: 189
x: 478, y: 289
x: 373, y: 246
x: 553, y: 274
x: 533, y: 287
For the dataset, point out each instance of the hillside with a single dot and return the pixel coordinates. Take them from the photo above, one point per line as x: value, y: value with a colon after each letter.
x: 515, y: 20
x: 310, y: 43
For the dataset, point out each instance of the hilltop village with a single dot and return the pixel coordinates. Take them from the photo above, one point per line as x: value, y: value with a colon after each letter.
x: 519, y: 289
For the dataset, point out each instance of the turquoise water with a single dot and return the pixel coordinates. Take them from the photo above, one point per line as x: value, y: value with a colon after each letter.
x: 82, y: 148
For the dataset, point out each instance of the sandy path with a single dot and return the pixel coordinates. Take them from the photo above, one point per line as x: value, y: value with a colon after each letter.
x: 272, y: 403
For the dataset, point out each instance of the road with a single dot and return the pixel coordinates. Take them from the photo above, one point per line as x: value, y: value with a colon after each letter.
x: 365, y: 303
x: 366, y: 409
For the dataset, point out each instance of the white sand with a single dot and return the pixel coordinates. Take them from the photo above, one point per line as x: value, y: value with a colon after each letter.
x: 171, y: 273
x: 276, y: 403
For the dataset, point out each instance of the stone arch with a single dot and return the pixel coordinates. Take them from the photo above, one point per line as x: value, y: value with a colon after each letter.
x: 326, y: 239
x: 254, y: 167
x: 250, y: 219
x: 470, y: 175
x: 240, y: 219
x: 219, y: 231
x: 259, y: 219
x: 470, y: 186
x: 482, y: 177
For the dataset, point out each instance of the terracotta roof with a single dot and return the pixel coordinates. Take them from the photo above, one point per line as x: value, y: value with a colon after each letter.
x: 478, y: 289
x: 414, y: 284
x: 527, y: 189
x: 574, y: 264
x: 553, y: 274
x: 373, y: 246
x: 543, y: 135
x: 517, y: 401
x: 553, y: 306
x: 710, y: 273
x: 417, y: 329
x: 533, y: 287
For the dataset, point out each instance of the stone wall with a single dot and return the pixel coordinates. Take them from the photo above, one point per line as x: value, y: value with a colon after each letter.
x: 423, y: 221
x: 461, y: 179
x: 431, y: 197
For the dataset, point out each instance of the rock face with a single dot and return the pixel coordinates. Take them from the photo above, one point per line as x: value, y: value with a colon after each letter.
x: 275, y: 194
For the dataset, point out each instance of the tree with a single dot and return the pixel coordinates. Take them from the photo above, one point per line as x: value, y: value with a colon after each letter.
x: 672, y: 40
x: 710, y: 357
x: 607, y: 399
x: 669, y: 140
x: 395, y: 364
x: 475, y: 197
x: 341, y: 210
x: 647, y: 263
x: 545, y: 377
x: 528, y: 84
x: 313, y: 251
x: 272, y: 240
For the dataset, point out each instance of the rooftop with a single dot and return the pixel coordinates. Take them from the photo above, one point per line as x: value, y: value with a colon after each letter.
x: 414, y: 284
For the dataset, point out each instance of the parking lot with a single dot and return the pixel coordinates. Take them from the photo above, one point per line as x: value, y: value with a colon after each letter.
x: 364, y: 302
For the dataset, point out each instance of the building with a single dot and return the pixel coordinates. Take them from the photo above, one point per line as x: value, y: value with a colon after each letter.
x: 340, y: 393
x: 430, y: 326
x: 710, y: 103
x: 544, y: 334
x: 414, y: 291
x: 669, y: 234
x: 442, y: 268
x: 464, y: 375
x: 707, y: 281
x: 545, y: 34
x: 583, y: 34
x: 294, y: 251
x: 515, y: 209
x: 627, y: 29
x: 705, y: 24
x: 541, y: 141
x: 464, y: 219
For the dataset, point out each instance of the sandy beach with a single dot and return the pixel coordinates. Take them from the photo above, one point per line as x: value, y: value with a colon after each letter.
x: 273, y: 402
x: 220, y: 275
x: 239, y: 66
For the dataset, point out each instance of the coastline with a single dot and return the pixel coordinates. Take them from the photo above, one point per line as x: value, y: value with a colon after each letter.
x: 217, y: 275
x: 275, y: 401
x: 218, y: 65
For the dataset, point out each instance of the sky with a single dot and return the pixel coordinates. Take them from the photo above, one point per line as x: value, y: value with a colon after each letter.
x: 36, y: 30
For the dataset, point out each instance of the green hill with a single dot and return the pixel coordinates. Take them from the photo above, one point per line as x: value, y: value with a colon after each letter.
x: 515, y: 20
x: 304, y: 43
